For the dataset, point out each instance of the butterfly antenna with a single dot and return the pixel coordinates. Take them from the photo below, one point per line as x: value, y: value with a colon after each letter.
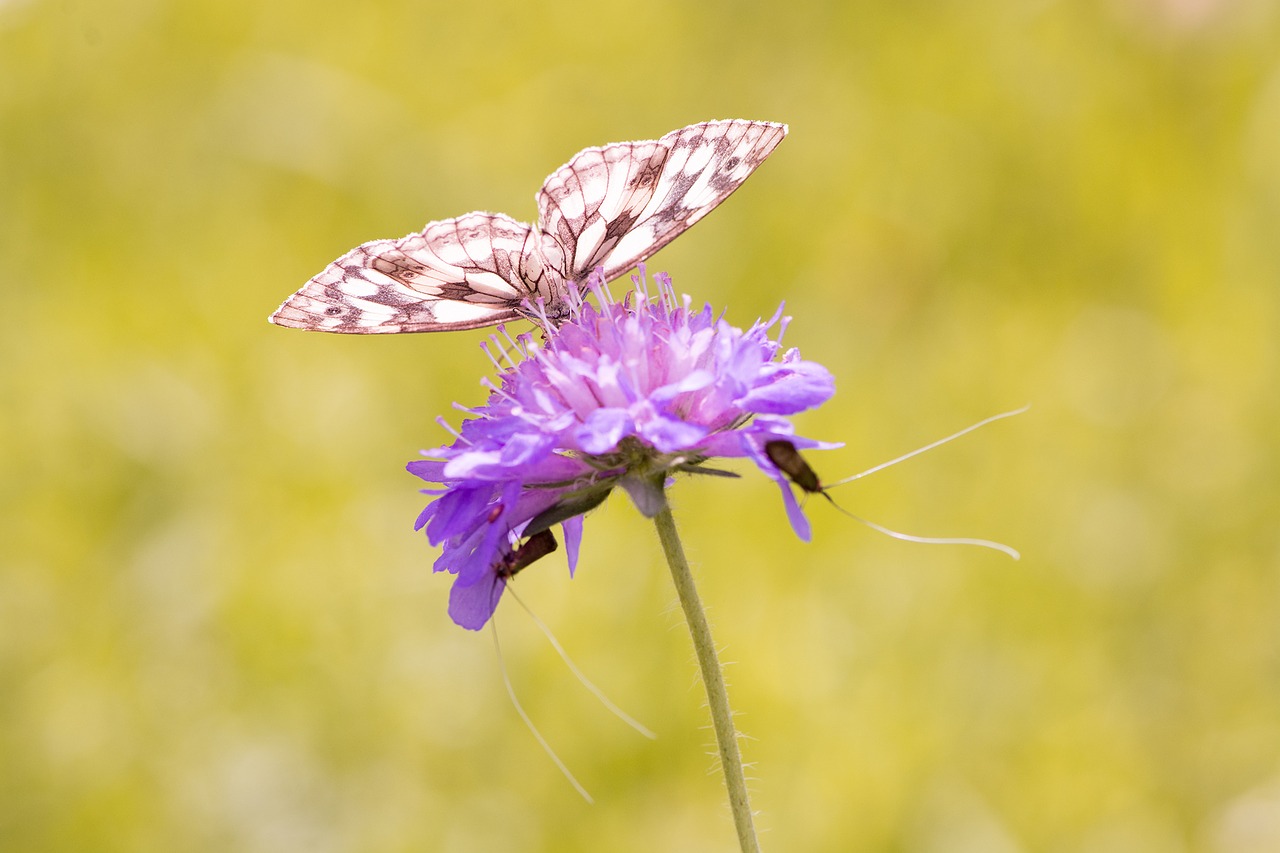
x: 502, y: 665
x: 595, y: 691
x: 927, y: 447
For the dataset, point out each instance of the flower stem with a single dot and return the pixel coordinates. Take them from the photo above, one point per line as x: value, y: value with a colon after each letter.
x: 712, y: 678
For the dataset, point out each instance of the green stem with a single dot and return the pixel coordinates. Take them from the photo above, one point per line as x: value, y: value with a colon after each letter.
x: 712, y: 678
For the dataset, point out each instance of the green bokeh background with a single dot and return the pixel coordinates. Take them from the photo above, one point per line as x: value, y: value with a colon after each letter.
x: 219, y: 632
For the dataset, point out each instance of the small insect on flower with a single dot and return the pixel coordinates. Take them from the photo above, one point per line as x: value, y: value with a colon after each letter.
x: 534, y: 548
x: 609, y: 208
x: 783, y: 454
x: 787, y: 459
x: 624, y: 396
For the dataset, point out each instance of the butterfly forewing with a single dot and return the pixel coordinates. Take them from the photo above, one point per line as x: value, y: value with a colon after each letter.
x: 706, y: 164
x: 593, y: 201
x: 609, y: 207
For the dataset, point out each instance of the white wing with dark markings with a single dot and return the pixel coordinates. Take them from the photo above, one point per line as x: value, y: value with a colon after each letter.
x: 610, y: 207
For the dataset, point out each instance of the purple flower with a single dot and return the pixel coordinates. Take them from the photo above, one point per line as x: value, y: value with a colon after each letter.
x: 620, y: 395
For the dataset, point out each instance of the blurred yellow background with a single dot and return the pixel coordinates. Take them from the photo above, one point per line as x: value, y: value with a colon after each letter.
x: 218, y: 630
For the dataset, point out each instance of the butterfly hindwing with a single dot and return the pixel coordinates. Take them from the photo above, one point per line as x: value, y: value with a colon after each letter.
x: 460, y: 273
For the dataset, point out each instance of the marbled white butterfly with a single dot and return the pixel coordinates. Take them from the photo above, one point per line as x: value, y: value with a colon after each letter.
x: 609, y: 207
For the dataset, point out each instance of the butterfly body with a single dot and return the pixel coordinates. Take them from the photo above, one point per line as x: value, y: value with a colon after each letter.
x: 610, y: 207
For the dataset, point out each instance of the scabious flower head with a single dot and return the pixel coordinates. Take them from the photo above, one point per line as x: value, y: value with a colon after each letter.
x: 625, y: 394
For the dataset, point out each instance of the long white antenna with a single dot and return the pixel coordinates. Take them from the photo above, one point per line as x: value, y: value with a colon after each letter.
x: 933, y: 540
x: 595, y: 691
x: 931, y: 446
x: 502, y: 664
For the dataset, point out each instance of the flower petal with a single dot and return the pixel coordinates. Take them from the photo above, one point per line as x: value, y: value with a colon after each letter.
x: 799, y: 521
x: 572, y: 529
x: 626, y: 394
x: 791, y: 388
x: 471, y: 606
x: 603, y: 429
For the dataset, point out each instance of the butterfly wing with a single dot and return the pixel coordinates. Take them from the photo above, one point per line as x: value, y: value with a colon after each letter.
x: 616, y: 206
x: 593, y: 201
x: 612, y: 206
x: 461, y: 273
x: 707, y: 163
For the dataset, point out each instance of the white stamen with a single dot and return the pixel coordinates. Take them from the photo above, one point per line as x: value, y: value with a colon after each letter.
x: 449, y: 429
x: 493, y: 359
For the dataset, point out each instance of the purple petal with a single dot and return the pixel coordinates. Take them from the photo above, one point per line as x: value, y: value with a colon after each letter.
x: 457, y: 513
x: 671, y: 435
x: 603, y: 429
x: 695, y: 381
x: 572, y: 529
x: 428, y: 469
x: 472, y: 605
x: 425, y: 515
x: 676, y: 378
x: 799, y: 523
x: 792, y: 388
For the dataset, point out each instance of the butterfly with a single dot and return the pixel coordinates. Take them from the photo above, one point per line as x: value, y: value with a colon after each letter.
x: 610, y: 208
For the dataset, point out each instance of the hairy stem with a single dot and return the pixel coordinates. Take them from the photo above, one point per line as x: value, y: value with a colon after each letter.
x: 712, y: 678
